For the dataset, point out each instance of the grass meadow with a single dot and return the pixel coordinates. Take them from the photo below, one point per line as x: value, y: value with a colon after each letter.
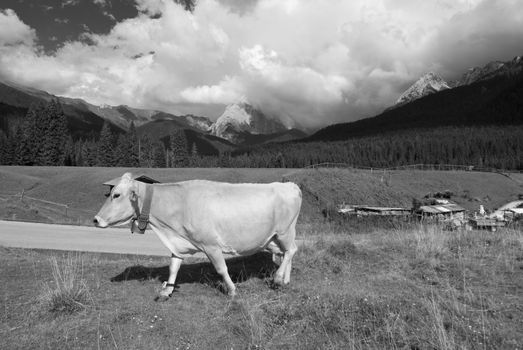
x: 81, y: 189
x: 355, y: 284
x: 412, y: 287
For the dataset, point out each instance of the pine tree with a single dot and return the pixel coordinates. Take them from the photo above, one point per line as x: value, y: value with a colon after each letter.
x: 52, y: 134
x: 10, y: 150
x: 126, y: 152
x: 58, y: 134
x: 69, y: 152
x: 32, y: 133
x: 178, y: 146
x: 134, y: 146
x: 146, y: 156
x: 194, y: 158
x: 22, y: 151
x: 106, y: 143
x: 159, y: 155
x: 4, y: 148
x: 121, y: 152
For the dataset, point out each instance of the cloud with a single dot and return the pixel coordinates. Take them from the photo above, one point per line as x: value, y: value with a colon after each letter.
x: 314, y: 62
x: 70, y: 3
x: 227, y: 91
x: 13, y: 31
x: 493, y: 30
x: 61, y: 20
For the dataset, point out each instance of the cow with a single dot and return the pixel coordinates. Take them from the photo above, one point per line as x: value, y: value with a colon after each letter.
x: 213, y: 218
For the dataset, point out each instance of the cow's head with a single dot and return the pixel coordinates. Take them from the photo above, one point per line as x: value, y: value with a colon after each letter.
x: 119, y: 208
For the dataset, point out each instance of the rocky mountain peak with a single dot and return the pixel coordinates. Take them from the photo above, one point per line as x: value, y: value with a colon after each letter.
x: 242, y: 117
x: 427, y: 84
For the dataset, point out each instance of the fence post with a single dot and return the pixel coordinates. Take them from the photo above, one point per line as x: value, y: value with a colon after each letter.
x: 66, y: 207
x: 22, y: 194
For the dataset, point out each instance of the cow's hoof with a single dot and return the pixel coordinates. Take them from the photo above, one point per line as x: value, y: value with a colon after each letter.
x: 278, y: 281
x: 161, y: 298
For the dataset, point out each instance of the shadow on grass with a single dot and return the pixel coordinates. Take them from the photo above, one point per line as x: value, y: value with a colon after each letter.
x: 259, y: 266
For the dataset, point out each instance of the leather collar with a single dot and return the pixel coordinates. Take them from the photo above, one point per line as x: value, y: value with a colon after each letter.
x: 141, y: 218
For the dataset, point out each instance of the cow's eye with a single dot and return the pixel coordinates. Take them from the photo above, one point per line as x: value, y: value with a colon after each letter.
x: 116, y: 195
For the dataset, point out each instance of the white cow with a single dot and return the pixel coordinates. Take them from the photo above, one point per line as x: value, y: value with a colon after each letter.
x: 212, y: 217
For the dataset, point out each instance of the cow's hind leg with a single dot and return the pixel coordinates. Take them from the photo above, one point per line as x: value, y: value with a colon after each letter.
x: 168, y: 287
x: 283, y: 274
x: 217, y: 259
x: 287, y: 244
x: 288, y: 267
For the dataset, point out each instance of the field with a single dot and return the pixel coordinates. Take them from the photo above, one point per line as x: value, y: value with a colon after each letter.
x: 354, y: 285
x: 415, y: 288
x: 82, y: 191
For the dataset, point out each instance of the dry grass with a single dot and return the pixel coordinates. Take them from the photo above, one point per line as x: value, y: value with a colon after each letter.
x: 68, y: 291
x: 414, y: 288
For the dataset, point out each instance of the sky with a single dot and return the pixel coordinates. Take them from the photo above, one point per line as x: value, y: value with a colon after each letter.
x: 308, y: 62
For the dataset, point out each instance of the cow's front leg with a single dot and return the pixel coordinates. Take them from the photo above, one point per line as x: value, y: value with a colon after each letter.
x: 217, y: 259
x: 168, y: 287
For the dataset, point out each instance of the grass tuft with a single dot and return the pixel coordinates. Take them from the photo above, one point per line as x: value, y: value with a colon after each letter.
x: 68, y: 291
x: 343, y: 250
x: 244, y: 322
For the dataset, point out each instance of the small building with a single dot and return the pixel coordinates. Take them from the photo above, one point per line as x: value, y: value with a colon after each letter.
x: 142, y: 178
x: 509, y: 211
x: 485, y: 223
x: 365, y: 210
x: 441, y: 211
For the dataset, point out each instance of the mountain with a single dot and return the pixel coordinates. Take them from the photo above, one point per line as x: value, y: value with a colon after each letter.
x: 239, y: 120
x: 490, y: 70
x: 427, y: 84
x: 121, y: 115
x: 16, y: 99
x: 494, y: 101
x: 201, y: 123
x: 433, y: 82
x: 240, y: 123
x: 84, y: 119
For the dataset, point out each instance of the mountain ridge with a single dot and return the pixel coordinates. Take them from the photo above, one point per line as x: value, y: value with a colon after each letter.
x: 492, y: 99
x: 85, y: 120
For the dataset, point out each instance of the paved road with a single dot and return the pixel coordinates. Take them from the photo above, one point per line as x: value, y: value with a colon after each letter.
x: 79, y: 238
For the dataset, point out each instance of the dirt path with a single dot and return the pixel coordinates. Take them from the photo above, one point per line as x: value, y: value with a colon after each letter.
x: 79, y: 238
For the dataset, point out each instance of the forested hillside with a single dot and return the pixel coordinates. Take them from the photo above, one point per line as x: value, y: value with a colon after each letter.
x: 487, y: 146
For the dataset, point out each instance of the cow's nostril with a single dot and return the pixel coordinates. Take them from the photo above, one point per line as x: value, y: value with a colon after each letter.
x: 95, y: 221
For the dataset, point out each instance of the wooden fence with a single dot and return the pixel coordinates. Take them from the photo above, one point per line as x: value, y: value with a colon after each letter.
x: 442, y: 167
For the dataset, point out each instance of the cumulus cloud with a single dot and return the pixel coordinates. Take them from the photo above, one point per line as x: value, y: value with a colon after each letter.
x: 13, y: 31
x: 314, y: 62
x: 227, y: 91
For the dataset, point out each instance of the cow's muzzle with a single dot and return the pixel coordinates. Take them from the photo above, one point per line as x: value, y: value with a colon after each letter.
x: 99, y: 222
